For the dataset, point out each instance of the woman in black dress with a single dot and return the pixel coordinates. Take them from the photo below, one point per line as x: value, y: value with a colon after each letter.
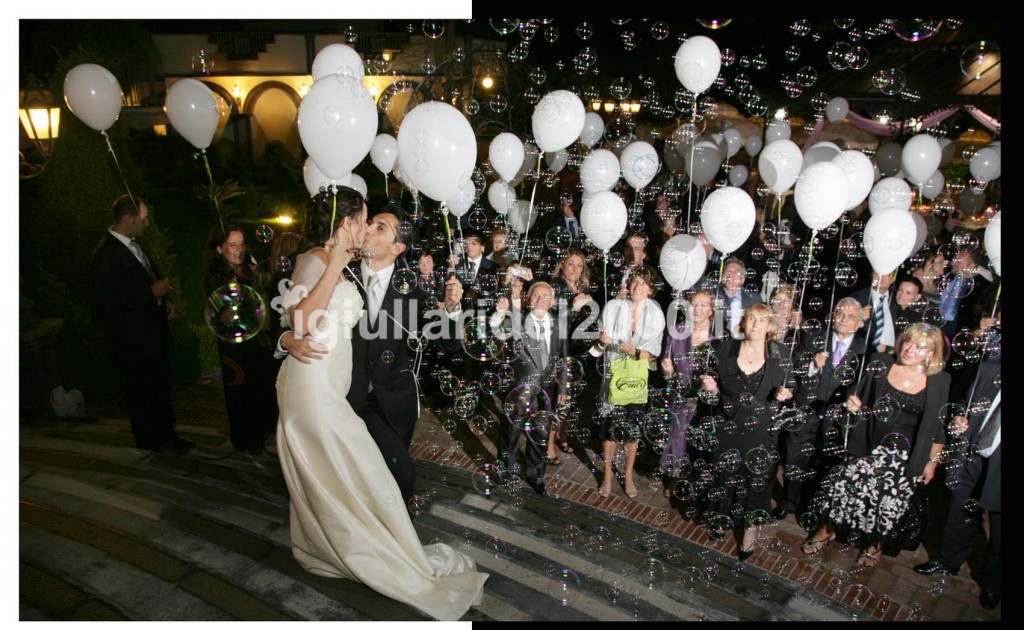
x: 737, y: 444
x: 248, y: 368
x: 870, y: 499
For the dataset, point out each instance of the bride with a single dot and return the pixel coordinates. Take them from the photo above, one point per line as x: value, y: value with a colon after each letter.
x: 348, y: 519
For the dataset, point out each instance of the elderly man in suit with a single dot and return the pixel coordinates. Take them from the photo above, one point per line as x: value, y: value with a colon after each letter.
x: 133, y: 308
x: 540, y: 348
x: 732, y: 299
x: 977, y: 488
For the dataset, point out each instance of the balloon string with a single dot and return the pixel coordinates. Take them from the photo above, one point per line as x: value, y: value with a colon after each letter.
x: 999, y: 291
x: 124, y: 180
x: 334, y: 207
x: 529, y: 215
x: 689, y: 178
x: 447, y: 228
x: 462, y: 238
x: 778, y: 211
x: 387, y: 187
x: 606, y: 277
x: 832, y: 301
x: 863, y: 362
x: 800, y: 303
x: 213, y: 195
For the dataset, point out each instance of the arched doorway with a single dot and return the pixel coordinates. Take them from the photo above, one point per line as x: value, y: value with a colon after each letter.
x: 274, y: 107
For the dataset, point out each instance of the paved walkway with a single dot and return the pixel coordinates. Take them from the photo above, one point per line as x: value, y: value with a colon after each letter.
x: 609, y: 546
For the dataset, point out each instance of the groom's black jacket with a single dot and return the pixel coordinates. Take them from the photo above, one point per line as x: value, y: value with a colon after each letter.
x: 384, y: 359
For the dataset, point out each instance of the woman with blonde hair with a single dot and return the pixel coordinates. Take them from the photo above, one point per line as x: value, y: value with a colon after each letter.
x: 871, y: 499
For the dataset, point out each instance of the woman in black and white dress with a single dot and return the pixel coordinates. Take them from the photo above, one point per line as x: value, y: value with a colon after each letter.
x: 870, y: 500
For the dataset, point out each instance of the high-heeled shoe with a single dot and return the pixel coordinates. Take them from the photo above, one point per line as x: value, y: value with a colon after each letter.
x: 743, y: 554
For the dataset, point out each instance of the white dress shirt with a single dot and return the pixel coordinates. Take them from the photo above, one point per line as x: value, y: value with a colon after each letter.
x: 383, y: 278
x: 136, y: 251
x: 999, y: 432
x: 542, y: 329
x: 836, y: 341
x: 474, y: 266
x: 889, y: 329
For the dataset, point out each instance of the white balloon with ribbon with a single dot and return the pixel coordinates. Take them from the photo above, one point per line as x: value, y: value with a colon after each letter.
x: 599, y: 171
x: 558, y: 120
x: 521, y: 217
x: 777, y: 130
x: 820, y: 152
x: 993, y: 242
x: 891, y: 193
x: 986, y: 164
x: 437, y: 148
x: 557, y: 160
x: 889, y: 240
x: 313, y: 178
x: 860, y: 176
x: 727, y: 218
x: 337, y: 124
x: 738, y: 175
x: 356, y: 182
x: 460, y: 203
x: 506, y: 154
x: 780, y: 163
x: 933, y: 187
x: 93, y: 95
x: 502, y: 197
x: 697, y: 63
x: 920, y: 158
x: 733, y: 141
x: 682, y: 261
x: 639, y: 164
x: 821, y: 195
x: 603, y: 218
x: 703, y: 162
x: 837, y: 109
x: 384, y: 153
x: 192, y: 111
x: 753, y: 145
x: 338, y: 59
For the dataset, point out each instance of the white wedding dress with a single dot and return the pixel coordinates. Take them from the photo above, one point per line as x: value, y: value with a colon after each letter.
x: 348, y: 519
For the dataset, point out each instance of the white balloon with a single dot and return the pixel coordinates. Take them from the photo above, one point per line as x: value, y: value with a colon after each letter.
x: 728, y: 218
x: 985, y: 165
x: 920, y: 158
x: 93, y: 94
x: 753, y: 145
x: 948, y: 150
x: 682, y: 261
x: 639, y: 164
x: 891, y: 193
x: 313, y: 177
x: 356, y: 182
x: 821, y: 195
x: 777, y: 130
x: 558, y: 120
x: 502, y: 197
x: 779, y: 164
x: 603, y: 217
x: 697, y: 63
x: 384, y: 152
x: 463, y: 199
x: 703, y: 162
x: 837, y: 109
x: 593, y: 129
x: 338, y: 59
x: 437, y: 149
x: 860, y: 176
x: 337, y: 124
x: 993, y: 242
x: 529, y: 163
x: 599, y: 171
x: 738, y: 175
x: 933, y: 187
x: 192, y: 111
x: 878, y: 173
x: 521, y: 217
x: 557, y: 160
x: 673, y: 161
x: 683, y: 138
x: 922, y: 232
x: 889, y: 239
x: 733, y: 141
x: 889, y: 158
x: 820, y: 152
x: 506, y: 155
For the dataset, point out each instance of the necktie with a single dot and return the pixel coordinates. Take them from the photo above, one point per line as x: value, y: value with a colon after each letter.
x: 572, y: 228
x: 988, y: 432
x: 879, y: 322
x: 137, y: 250
x: 838, y: 353
x: 542, y: 336
x: 472, y: 270
x: 373, y: 296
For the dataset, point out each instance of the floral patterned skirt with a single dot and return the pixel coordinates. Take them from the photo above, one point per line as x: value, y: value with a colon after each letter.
x: 871, y: 500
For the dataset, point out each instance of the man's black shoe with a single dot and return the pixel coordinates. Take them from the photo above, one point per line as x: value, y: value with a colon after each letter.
x: 933, y: 567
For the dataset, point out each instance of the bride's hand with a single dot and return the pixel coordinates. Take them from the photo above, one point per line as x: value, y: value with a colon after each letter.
x: 339, y: 249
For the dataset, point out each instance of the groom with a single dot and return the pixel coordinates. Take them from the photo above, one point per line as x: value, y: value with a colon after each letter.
x: 383, y: 391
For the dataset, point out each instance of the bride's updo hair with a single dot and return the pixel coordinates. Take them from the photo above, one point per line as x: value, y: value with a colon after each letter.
x: 318, y: 220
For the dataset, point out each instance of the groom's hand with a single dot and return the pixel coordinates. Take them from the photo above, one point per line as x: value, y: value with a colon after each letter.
x: 302, y: 349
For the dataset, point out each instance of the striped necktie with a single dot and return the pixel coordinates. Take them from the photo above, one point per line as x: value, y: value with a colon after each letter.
x: 879, y: 322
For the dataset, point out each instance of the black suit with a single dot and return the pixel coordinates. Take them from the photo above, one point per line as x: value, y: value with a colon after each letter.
x: 864, y: 297
x: 134, y: 323
x: 819, y: 392
x: 532, y: 366
x: 381, y: 358
x: 979, y: 479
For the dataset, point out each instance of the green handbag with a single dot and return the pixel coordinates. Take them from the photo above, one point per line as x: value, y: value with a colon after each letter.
x: 629, y: 382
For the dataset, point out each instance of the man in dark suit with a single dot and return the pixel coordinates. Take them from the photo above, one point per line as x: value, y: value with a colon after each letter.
x: 733, y: 299
x: 384, y: 391
x: 978, y: 487
x: 877, y: 302
x: 962, y: 296
x: 821, y: 390
x: 133, y: 308
x: 566, y: 217
x: 540, y: 343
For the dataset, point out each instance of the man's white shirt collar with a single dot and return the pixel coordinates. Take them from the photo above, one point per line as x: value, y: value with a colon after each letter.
x: 383, y: 275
